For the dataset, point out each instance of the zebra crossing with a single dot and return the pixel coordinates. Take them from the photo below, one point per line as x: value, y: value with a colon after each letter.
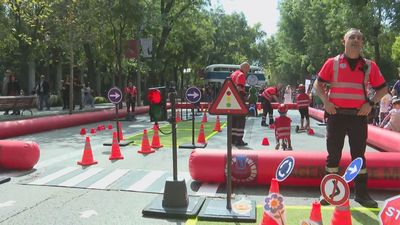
x: 97, y: 178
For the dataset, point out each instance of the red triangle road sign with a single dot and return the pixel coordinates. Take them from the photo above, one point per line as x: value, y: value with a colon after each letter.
x: 228, y: 101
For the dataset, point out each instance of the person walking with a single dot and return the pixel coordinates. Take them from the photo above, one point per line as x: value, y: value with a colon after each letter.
x: 239, y: 121
x: 347, y: 107
x: 43, y: 91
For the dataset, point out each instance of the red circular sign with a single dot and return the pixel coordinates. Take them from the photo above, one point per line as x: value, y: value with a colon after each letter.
x: 335, y: 189
x: 390, y: 214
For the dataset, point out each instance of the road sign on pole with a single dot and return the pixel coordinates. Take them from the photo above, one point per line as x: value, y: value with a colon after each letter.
x: 390, y: 214
x: 353, y: 169
x: 285, y: 168
x: 193, y: 95
x: 114, y: 95
x: 335, y: 189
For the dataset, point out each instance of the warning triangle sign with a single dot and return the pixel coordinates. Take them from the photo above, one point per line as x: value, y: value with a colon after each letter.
x: 228, y: 101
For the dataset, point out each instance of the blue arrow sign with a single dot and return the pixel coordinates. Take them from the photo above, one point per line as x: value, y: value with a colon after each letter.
x: 353, y: 169
x: 193, y: 95
x: 285, y: 168
x: 115, y: 95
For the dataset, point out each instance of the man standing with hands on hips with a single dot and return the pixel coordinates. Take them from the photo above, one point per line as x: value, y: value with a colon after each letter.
x: 239, y: 121
x: 347, y: 107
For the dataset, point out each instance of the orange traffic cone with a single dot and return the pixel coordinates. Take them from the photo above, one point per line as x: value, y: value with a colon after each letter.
x: 342, y: 215
x: 274, y: 186
x: 121, y: 136
x: 99, y: 128
x: 204, y: 120
x: 310, y: 131
x: 178, y: 117
x: 93, y: 131
x: 265, y: 141
x: 201, y: 139
x: 274, y: 208
x: 115, y: 150
x: 110, y: 127
x: 217, y: 126
x: 145, y: 149
x: 87, y: 157
x: 315, y: 216
x: 83, y: 131
x: 155, y: 142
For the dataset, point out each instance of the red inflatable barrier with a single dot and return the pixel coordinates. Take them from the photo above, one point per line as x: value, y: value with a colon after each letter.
x: 386, y: 140
x: 259, y: 166
x: 29, y: 126
x: 18, y: 155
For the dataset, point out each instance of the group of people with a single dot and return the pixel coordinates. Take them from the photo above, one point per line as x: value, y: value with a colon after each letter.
x: 10, y: 87
x: 346, y: 105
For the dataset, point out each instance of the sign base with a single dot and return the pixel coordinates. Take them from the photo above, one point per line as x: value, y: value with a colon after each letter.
x: 121, y: 143
x: 215, y: 209
x: 155, y: 208
x: 4, y: 180
x: 193, y: 146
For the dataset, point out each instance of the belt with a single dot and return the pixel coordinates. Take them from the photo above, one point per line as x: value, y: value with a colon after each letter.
x: 344, y: 111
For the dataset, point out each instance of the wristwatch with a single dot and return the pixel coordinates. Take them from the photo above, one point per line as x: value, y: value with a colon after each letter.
x: 371, y: 103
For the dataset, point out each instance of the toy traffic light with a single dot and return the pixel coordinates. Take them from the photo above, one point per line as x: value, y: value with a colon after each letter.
x: 158, y: 104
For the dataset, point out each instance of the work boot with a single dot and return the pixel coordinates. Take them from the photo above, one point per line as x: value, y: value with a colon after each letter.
x: 264, y: 124
x: 361, y: 192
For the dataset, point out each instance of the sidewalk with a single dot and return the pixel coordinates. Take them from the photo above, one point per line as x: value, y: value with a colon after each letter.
x: 52, y: 112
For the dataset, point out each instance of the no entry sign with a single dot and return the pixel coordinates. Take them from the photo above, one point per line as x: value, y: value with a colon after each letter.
x: 390, y: 214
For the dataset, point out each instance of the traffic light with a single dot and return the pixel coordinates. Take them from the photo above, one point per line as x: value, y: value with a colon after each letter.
x: 158, y: 104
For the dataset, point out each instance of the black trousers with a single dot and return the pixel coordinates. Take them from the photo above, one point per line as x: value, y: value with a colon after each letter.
x: 338, y: 126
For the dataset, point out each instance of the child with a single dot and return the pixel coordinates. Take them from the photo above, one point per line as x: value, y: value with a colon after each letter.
x: 282, y: 127
x: 303, y: 101
x: 392, y: 120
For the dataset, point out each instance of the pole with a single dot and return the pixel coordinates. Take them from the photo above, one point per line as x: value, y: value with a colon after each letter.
x: 116, y: 119
x: 174, y: 145
x: 193, y: 124
x: 228, y: 165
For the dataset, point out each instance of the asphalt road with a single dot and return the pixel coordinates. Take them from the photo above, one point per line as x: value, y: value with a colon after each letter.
x: 58, y: 191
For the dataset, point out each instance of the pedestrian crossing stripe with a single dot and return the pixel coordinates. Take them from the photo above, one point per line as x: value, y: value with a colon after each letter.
x: 148, y: 181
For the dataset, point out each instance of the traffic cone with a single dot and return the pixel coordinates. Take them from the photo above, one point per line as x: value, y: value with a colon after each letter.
x: 265, y: 141
x: 110, y: 127
x: 217, y: 126
x: 204, y: 120
x: 121, y: 136
x: 87, y: 157
x: 310, y: 131
x: 315, y: 216
x: 115, y: 150
x: 99, y: 128
x: 274, y: 208
x: 178, y: 117
x: 201, y: 139
x: 274, y: 186
x: 155, y: 142
x: 342, y: 214
x: 83, y: 131
x: 145, y: 149
x: 93, y: 131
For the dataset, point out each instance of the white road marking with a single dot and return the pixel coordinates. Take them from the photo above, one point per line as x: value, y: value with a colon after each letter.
x: 54, y: 176
x: 207, y: 189
x: 88, y: 213
x: 55, y: 160
x: 81, y: 177
x: 7, y: 204
x: 109, y: 179
x: 146, y: 181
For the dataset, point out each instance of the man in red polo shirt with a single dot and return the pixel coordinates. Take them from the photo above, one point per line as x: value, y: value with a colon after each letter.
x: 130, y: 99
x: 239, y: 122
x: 347, y: 106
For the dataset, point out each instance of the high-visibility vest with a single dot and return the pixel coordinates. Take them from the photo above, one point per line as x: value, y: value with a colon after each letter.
x: 303, y: 100
x: 269, y: 92
x: 343, y: 89
x: 282, y: 127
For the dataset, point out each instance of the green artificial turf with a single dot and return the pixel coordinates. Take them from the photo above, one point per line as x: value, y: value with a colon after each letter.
x: 183, y: 130
x: 295, y: 214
